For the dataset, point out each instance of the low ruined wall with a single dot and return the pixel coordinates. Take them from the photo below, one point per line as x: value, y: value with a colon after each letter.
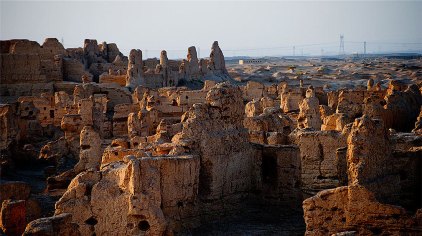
x: 318, y: 158
x: 118, y: 79
x: 188, y: 98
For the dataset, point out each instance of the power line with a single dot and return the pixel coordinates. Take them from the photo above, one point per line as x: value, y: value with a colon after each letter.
x: 376, y: 42
x: 280, y: 47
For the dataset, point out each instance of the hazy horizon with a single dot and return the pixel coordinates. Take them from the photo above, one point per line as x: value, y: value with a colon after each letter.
x: 242, y: 28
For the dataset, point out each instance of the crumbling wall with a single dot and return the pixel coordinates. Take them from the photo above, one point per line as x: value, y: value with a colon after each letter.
x: 254, y: 90
x: 402, y: 107
x: 27, y: 62
x: 309, y: 115
x: 369, y: 157
x: 318, y: 158
x: 145, y: 195
x: 270, y: 127
x: 291, y: 98
x: 225, y: 162
x: 361, y: 207
x: 134, y: 70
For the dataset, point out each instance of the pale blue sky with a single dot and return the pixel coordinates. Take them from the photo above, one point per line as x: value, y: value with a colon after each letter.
x: 269, y: 28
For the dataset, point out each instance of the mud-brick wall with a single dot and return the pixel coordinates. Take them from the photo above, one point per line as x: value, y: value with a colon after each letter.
x: 21, y: 68
x: 318, y: 158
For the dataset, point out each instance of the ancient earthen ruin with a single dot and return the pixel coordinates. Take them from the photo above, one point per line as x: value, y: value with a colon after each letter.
x: 94, y: 142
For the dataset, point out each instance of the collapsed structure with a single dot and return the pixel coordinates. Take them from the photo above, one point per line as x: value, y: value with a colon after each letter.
x: 132, y: 153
